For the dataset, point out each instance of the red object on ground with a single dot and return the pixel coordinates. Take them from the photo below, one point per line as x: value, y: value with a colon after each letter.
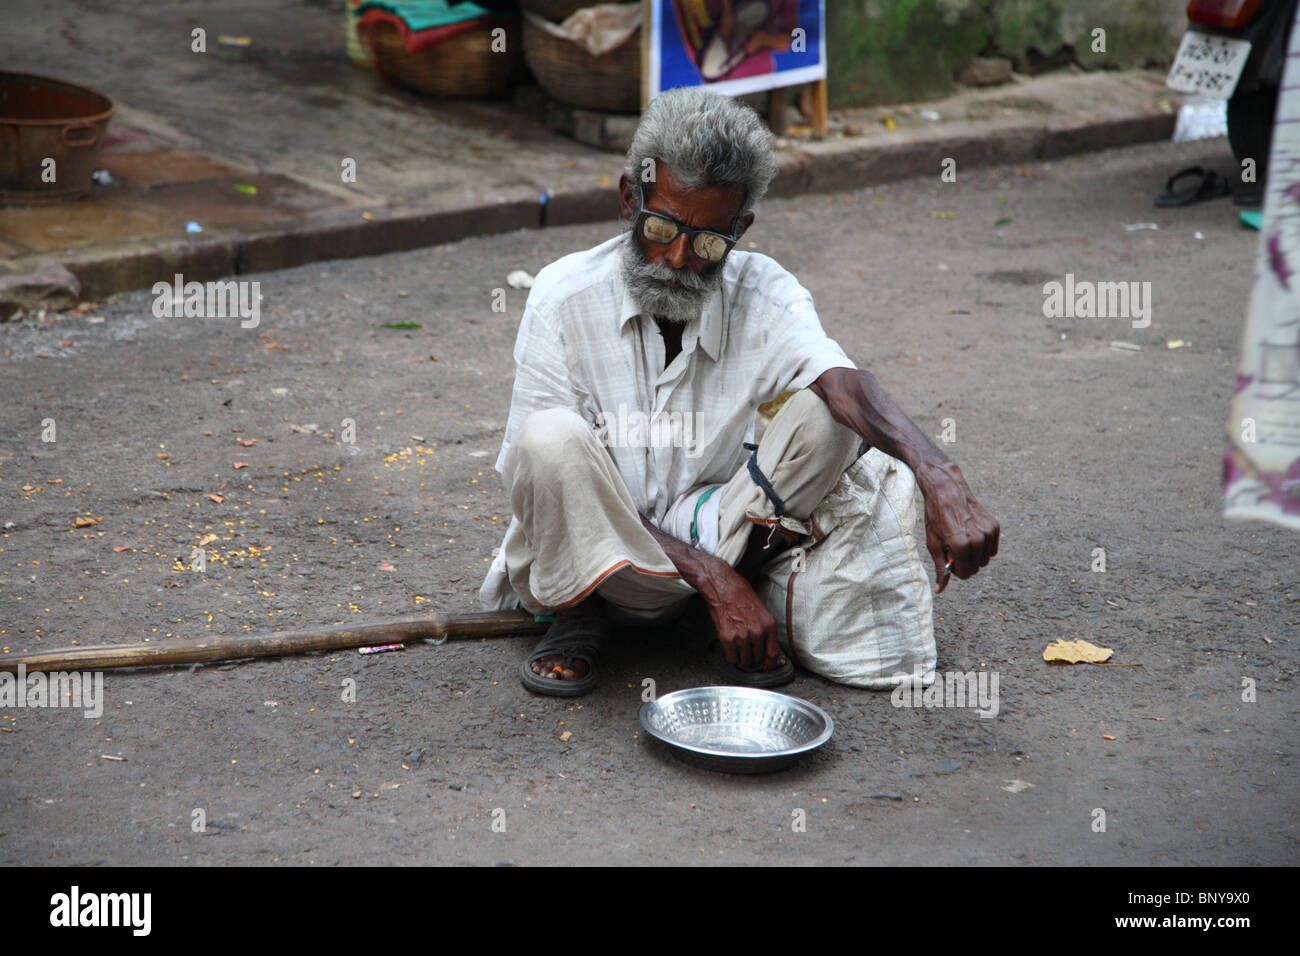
x: 415, y: 40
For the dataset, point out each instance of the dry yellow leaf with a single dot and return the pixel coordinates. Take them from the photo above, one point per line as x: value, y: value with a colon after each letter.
x: 1074, y: 652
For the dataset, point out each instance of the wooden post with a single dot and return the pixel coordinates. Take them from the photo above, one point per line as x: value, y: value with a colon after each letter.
x: 647, y: 13
x: 776, y: 110
x: 820, y: 114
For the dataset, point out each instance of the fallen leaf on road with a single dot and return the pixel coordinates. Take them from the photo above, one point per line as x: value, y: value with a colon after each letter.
x: 240, y: 464
x: 217, y: 498
x: 385, y: 566
x: 54, y: 481
x: 163, y: 456
x: 566, y: 735
x: 1074, y: 652
x: 30, y: 488
x: 246, y: 442
x: 84, y: 522
x: 121, y: 548
x: 1107, y: 737
x: 207, y: 538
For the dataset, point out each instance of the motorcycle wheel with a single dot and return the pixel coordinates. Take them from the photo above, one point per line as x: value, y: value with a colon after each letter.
x: 1250, y: 127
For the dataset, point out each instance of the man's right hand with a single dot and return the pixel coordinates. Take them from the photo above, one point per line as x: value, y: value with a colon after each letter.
x: 746, y: 628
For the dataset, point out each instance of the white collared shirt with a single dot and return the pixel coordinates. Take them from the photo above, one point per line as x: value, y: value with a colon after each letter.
x: 584, y: 344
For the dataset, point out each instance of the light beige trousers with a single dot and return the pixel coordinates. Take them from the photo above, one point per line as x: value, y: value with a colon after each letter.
x: 577, y: 530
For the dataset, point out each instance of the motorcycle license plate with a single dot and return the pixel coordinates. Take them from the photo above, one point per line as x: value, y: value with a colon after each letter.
x: 1208, y: 65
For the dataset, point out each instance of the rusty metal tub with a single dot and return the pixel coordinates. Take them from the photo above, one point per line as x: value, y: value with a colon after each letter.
x: 50, y: 133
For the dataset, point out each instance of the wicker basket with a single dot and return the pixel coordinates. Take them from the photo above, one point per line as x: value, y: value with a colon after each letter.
x: 554, y: 9
x: 609, y: 82
x: 464, y: 65
x: 358, y: 52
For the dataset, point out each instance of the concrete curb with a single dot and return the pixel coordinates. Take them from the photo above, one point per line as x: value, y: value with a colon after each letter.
x: 828, y: 166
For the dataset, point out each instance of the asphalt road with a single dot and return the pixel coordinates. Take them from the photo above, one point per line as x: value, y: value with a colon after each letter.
x: 1072, y: 444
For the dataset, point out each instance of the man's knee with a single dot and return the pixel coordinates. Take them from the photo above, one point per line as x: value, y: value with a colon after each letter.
x: 546, y: 440
x: 816, y: 431
x: 550, y: 433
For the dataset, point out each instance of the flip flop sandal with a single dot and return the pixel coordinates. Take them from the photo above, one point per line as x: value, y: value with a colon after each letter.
x: 1209, y: 185
x: 583, y: 638
x: 737, y: 676
x: 1249, y: 197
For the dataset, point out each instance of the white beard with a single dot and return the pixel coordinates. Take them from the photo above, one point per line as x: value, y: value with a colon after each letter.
x: 677, y: 306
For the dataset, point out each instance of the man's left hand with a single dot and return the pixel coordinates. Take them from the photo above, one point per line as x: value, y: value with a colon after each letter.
x: 957, y: 528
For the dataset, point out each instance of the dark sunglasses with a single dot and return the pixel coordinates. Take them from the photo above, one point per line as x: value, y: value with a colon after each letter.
x: 708, y: 245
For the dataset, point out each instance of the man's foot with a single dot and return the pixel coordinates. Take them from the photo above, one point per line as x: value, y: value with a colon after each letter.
x: 556, y: 667
x: 563, y: 662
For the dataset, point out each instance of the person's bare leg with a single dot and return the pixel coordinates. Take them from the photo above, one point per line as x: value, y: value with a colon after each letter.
x: 765, y: 543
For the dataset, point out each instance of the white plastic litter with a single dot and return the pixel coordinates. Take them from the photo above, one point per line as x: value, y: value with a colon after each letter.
x: 1201, y: 117
x: 519, y: 279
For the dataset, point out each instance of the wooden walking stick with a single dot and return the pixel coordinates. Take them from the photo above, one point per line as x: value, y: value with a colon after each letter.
x: 195, y: 650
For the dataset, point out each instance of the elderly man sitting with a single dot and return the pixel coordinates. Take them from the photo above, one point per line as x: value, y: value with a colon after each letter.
x: 670, y: 327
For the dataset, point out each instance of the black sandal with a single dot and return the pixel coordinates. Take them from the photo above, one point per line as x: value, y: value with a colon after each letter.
x: 737, y: 676
x: 581, y: 637
x: 1209, y: 185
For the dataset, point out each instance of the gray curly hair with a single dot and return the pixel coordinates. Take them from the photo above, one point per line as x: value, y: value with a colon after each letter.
x: 706, y: 139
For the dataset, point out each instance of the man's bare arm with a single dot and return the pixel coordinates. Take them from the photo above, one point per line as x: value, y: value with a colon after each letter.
x: 956, y: 525
x: 746, y: 628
